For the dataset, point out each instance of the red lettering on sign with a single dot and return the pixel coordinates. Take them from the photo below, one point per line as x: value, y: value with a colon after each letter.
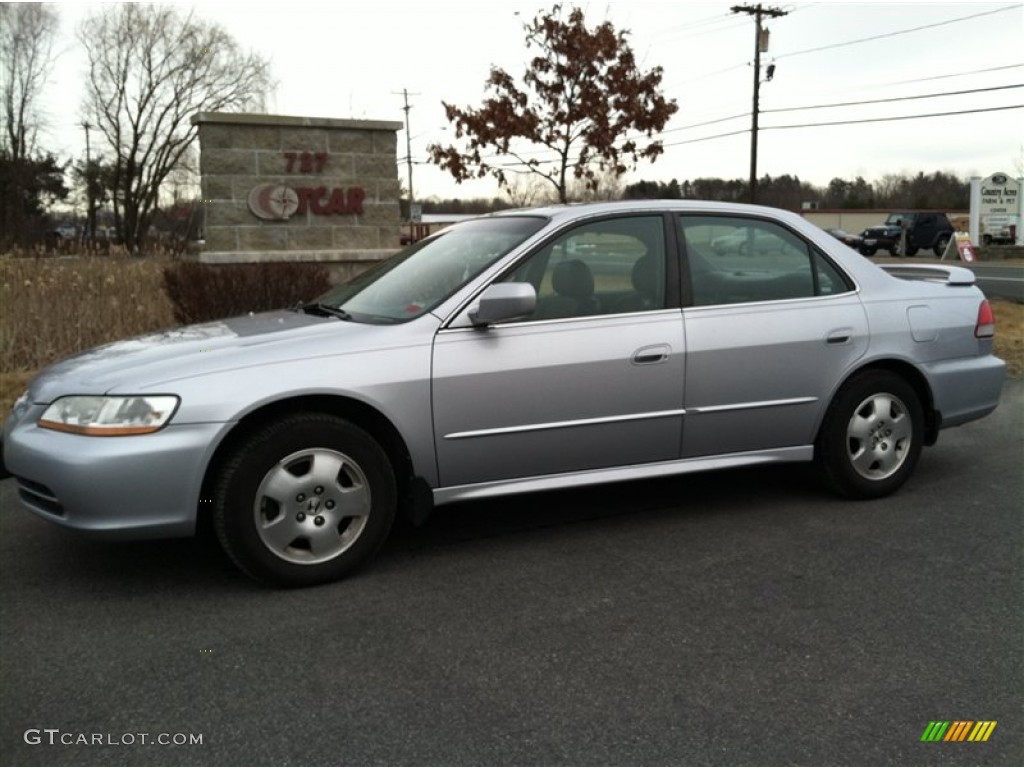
x: 356, y: 195
x: 314, y: 203
x: 308, y: 162
x: 337, y: 201
x: 305, y: 195
x: 340, y: 200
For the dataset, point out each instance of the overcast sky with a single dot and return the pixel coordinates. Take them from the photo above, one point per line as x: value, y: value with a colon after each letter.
x: 352, y: 60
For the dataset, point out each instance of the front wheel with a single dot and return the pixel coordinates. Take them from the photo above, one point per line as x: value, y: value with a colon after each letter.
x: 304, y: 500
x: 872, y: 436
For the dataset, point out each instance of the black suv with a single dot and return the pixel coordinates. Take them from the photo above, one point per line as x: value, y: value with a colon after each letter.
x: 925, y: 229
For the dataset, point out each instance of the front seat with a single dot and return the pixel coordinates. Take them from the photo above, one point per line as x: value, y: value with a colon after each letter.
x: 574, y: 288
x: 646, y: 287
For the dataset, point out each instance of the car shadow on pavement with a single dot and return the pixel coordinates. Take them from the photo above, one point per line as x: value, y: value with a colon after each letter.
x: 124, y: 568
x: 703, y: 493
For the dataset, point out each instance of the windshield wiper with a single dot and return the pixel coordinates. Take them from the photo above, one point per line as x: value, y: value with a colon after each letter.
x: 325, y: 310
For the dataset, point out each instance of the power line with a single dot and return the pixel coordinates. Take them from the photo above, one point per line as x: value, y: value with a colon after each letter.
x: 856, y: 103
x: 896, y: 33
x: 869, y: 39
x: 699, y: 125
x: 744, y: 65
x: 814, y: 125
x: 895, y: 98
x: 892, y: 119
x: 946, y: 77
x: 773, y: 128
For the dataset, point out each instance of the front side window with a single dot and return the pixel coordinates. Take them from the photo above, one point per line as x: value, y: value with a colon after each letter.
x: 599, y: 268
x: 735, y: 260
x: 419, y: 278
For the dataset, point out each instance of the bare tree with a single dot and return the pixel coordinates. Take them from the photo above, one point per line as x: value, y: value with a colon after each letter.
x: 30, y: 179
x: 525, y: 191
x: 582, y: 97
x: 605, y: 185
x: 150, y: 70
x: 27, y: 32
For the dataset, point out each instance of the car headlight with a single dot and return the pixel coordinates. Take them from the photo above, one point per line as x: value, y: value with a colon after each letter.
x: 109, y: 416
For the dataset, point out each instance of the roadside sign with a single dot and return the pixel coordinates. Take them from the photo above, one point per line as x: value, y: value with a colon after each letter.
x: 964, y: 247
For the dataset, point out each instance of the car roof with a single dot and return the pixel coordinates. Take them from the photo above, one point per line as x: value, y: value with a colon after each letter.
x: 571, y: 211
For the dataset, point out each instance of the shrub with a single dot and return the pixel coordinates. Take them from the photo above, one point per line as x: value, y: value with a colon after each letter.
x: 204, y: 292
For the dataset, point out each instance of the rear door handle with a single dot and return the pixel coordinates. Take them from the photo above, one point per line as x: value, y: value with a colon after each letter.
x: 839, y: 336
x: 656, y: 353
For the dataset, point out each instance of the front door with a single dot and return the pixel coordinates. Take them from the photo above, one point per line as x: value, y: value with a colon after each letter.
x: 594, y: 379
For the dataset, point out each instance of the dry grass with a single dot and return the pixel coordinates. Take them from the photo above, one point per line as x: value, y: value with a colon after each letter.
x: 1010, y: 335
x: 51, y: 308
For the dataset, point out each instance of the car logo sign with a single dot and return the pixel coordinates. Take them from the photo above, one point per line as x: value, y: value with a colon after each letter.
x: 273, y: 202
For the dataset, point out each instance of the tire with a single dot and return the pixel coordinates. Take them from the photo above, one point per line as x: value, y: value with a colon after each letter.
x: 940, y: 245
x: 868, y: 251
x: 894, y: 249
x: 305, y: 500
x: 911, y: 251
x: 872, y: 435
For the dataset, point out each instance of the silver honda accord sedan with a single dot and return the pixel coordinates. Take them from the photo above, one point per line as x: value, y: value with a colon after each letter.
x: 522, y: 351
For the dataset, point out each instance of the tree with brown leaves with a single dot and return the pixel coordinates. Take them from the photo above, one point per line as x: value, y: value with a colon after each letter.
x: 584, y: 104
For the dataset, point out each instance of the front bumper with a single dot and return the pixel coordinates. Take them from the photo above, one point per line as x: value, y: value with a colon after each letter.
x: 136, y: 487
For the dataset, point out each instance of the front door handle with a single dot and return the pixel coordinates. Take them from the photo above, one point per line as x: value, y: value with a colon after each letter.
x: 656, y: 353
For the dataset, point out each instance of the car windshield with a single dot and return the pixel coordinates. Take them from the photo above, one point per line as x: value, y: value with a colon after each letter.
x: 417, y: 279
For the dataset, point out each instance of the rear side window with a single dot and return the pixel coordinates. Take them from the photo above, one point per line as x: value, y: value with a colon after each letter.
x: 735, y: 260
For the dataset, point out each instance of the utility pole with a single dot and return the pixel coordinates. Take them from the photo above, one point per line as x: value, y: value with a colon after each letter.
x: 760, y: 44
x: 408, y: 156
x: 90, y: 216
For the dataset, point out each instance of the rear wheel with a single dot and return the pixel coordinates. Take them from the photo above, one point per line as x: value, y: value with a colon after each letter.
x: 940, y: 245
x: 872, y: 436
x: 306, y: 500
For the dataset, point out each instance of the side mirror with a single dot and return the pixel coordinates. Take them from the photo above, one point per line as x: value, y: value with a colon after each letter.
x: 503, y: 302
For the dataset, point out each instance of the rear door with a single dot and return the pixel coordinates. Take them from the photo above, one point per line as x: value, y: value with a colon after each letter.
x: 768, y: 332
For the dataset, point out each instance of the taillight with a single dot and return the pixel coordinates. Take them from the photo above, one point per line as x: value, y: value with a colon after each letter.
x: 985, y: 328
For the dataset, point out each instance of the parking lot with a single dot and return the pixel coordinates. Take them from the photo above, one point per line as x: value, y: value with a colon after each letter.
x: 731, y: 618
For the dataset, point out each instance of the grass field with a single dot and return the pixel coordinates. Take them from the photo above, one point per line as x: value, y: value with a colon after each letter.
x: 51, y: 308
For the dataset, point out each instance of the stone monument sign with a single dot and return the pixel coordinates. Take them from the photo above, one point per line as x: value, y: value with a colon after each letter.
x: 277, y: 188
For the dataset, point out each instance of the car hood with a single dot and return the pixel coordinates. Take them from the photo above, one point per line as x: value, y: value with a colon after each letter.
x: 145, y: 362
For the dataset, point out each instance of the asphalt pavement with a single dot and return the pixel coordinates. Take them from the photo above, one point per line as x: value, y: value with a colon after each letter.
x: 1000, y: 282
x: 733, y: 618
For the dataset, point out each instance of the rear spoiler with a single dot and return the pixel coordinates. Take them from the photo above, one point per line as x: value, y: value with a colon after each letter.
x: 931, y: 273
